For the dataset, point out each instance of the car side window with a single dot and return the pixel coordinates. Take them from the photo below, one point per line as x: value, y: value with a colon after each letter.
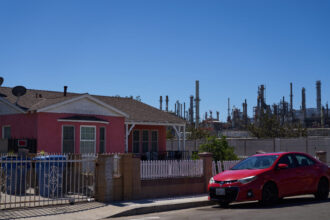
x: 303, y: 160
x: 287, y: 159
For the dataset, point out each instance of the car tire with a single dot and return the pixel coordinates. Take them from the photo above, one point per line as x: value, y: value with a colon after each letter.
x: 322, y: 192
x: 269, y: 194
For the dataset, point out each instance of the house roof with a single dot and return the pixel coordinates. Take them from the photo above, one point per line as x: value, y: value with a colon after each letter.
x: 138, y: 112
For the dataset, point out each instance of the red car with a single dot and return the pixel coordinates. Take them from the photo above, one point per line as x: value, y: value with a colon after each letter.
x: 269, y: 177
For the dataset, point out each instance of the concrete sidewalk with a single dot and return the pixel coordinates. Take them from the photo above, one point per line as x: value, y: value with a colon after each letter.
x: 96, y: 210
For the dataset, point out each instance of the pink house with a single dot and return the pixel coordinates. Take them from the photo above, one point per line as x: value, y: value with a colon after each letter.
x: 65, y: 122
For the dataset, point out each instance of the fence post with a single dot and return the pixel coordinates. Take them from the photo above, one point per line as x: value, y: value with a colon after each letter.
x: 131, y: 174
x: 207, y: 166
x: 104, y: 178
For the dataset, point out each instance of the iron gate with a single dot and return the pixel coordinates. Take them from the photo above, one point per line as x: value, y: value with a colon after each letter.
x: 30, y: 181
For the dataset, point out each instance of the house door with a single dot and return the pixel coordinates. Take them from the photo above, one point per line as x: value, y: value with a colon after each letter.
x: 68, y: 139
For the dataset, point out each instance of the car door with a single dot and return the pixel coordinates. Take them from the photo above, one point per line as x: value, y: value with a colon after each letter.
x: 307, y: 173
x: 286, y: 179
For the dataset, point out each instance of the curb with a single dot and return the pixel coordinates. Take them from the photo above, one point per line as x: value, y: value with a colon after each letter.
x: 161, y: 208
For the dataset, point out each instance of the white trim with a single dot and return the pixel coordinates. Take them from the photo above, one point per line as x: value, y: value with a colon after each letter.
x: 74, y: 137
x: 3, y: 130
x: 127, y: 133
x: 11, y: 105
x: 90, y: 126
x: 82, y: 97
x: 154, y: 123
x: 84, y: 121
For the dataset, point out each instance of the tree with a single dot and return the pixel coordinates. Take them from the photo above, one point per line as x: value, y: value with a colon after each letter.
x: 197, y: 133
x: 219, y: 148
x: 270, y: 127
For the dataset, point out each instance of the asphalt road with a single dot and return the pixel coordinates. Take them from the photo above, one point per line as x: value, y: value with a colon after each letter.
x: 302, y: 208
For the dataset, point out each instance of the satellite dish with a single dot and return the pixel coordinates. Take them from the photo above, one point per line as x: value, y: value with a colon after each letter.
x: 1, y: 80
x: 19, y: 91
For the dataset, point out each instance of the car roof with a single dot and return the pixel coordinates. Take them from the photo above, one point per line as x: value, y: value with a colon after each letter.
x: 278, y: 153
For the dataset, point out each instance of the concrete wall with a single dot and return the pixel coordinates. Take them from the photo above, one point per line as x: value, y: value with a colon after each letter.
x: 249, y: 146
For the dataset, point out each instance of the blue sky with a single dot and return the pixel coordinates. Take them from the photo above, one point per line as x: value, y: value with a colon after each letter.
x: 160, y: 47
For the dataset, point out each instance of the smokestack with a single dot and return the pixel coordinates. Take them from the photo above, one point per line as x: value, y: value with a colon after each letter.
x: 318, y: 96
x: 191, y: 109
x: 166, y: 103
x: 228, y: 117
x: 245, y: 112
x: 175, y: 109
x: 65, y: 90
x: 180, y: 110
x: 205, y: 115
x: 197, y: 100
x: 291, y: 100
x: 161, y: 103
x: 211, y: 115
x: 322, y: 117
x: 303, y: 102
x: 184, y: 110
x: 327, y: 115
x: 218, y: 116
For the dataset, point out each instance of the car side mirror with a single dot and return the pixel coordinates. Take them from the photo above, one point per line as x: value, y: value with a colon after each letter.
x: 282, y: 166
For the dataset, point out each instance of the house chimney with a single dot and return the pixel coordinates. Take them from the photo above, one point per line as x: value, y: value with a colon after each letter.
x: 65, y: 90
x: 167, y: 103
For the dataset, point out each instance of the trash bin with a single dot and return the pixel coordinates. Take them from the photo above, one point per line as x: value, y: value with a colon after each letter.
x: 50, y: 172
x: 15, y: 170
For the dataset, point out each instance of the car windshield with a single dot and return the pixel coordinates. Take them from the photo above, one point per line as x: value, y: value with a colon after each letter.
x: 256, y: 162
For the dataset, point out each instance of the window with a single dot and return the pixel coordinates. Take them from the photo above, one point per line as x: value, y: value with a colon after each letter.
x: 87, y: 139
x: 287, y: 159
x: 68, y: 139
x: 145, y: 141
x: 154, y: 141
x: 102, y: 140
x: 136, y: 141
x: 302, y: 160
x: 6, y: 132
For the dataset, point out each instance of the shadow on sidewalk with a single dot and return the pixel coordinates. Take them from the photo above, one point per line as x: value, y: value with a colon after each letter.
x: 48, y: 210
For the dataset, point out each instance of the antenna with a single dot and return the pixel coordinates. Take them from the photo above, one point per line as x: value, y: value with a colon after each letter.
x: 18, y: 91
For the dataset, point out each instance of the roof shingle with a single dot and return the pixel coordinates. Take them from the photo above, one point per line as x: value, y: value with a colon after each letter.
x: 137, y: 111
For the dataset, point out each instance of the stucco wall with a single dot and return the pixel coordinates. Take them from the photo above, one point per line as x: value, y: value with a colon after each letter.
x: 50, y: 132
x: 22, y: 125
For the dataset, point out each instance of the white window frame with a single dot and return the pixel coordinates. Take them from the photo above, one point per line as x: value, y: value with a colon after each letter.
x: 3, y: 131
x: 87, y: 126
x: 74, y: 137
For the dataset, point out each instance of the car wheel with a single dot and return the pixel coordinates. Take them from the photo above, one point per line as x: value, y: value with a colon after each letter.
x: 269, y: 194
x: 322, y: 192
